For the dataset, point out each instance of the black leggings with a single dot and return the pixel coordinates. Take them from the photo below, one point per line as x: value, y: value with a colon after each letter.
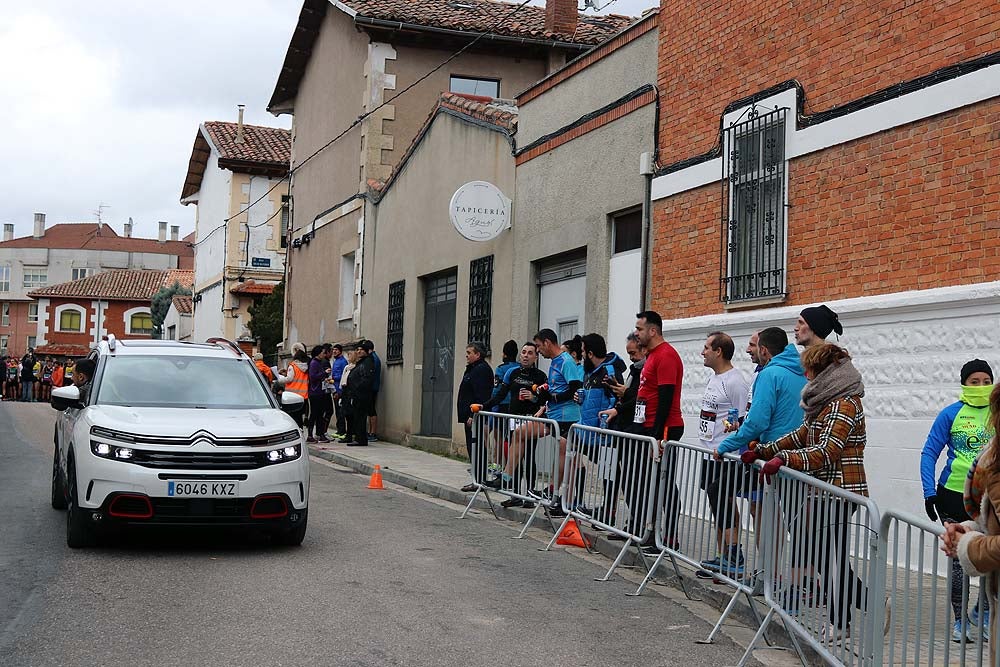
x: 320, y: 411
x: 951, y: 506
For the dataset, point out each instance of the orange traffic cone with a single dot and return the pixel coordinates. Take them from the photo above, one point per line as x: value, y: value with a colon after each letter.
x: 571, y: 535
x: 376, y: 480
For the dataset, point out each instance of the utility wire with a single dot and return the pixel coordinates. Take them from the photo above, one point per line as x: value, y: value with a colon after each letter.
x: 360, y: 119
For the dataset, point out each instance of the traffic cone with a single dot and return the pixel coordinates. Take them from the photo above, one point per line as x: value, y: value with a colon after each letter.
x: 376, y: 480
x: 571, y: 535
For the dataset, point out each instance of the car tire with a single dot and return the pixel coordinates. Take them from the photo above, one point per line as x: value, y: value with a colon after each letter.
x: 58, y: 487
x: 80, y: 532
x: 293, y: 536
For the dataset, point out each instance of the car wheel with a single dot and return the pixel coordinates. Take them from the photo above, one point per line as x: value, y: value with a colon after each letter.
x: 80, y: 530
x: 293, y: 536
x: 58, y: 488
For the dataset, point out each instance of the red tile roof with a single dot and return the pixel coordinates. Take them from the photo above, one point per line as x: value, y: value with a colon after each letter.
x: 502, y: 115
x: 265, y: 150
x: 62, y: 350
x: 264, y: 145
x: 84, y: 236
x: 481, y: 15
x: 252, y: 287
x: 118, y: 285
x: 182, y: 276
x: 469, y: 16
x: 183, y: 304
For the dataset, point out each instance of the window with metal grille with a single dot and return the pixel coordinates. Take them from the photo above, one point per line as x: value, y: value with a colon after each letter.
x: 285, y: 219
x: 4, y: 314
x: 394, y: 328
x: 754, y: 201
x: 481, y: 301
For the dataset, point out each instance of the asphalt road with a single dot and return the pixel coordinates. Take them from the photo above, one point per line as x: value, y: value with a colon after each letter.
x: 383, y: 578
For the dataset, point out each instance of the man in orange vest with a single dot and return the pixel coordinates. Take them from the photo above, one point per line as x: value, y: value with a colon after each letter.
x: 296, y: 379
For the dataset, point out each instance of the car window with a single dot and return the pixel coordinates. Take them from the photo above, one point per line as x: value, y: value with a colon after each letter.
x: 181, y: 382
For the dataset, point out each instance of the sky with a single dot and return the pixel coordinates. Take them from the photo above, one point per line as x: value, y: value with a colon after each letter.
x: 105, y: 99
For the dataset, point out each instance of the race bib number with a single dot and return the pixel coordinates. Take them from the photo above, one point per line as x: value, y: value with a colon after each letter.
x: 706, y: 425
x: 640, y: 412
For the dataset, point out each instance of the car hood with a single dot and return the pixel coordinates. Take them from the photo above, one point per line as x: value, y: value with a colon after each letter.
x: 184, y: 422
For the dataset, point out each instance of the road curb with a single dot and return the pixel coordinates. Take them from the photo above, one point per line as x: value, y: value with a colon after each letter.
x: 716, y: 597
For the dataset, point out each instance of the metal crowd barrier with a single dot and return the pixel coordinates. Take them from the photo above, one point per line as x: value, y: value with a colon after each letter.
x: 533, y: 442
x: 927, y: 588
x: 607, y: 483
x: 822, y: 574
x: 711, y: 523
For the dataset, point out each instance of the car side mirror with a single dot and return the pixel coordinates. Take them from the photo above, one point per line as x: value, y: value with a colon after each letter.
x: 64, y: 398
x: 292, y: 402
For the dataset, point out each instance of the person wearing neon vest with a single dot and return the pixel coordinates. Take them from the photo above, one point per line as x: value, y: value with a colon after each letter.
x: 963, y: 428
x: 296, y: 379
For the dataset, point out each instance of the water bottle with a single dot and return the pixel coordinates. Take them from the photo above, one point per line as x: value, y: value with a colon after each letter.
x: 604, y: 421
x: 733, y: 417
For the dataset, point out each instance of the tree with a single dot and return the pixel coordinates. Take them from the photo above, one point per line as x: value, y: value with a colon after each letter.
x: 267, y: 319
x: 160, y: 305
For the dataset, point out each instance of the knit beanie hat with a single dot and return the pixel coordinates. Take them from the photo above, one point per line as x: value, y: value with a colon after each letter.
x: 976, y: 366
x: 822, y: 320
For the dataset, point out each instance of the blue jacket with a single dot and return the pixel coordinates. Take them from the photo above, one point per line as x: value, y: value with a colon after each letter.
x: 565, y: 376
x: 377, y: 383
x: 775, y: 410
x: 498, y: 378
x: 338, y: 366
x: 597, y: 396
x: 964, y: 440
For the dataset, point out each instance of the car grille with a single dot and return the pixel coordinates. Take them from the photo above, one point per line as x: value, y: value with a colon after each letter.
x: 189, y: 509
x: 177, y: 460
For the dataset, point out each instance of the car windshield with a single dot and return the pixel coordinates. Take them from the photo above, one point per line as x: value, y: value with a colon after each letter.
x: 181, y: 382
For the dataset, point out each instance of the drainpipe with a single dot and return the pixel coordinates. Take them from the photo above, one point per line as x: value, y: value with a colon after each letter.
x: 646, y: 170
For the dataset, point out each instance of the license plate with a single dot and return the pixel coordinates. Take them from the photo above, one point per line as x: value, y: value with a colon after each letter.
x: 203, y: 489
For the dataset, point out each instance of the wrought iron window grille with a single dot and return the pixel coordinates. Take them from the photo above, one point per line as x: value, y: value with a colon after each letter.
x: 394, y: 327
x: 754, y: 202
x: 481, y: 301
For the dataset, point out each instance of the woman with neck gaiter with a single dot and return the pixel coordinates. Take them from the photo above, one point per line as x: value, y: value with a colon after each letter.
x: 963, y: 429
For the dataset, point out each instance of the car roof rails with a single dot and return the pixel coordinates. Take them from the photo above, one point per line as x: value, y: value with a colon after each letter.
x: 225, y: 342
x: 108, y: 344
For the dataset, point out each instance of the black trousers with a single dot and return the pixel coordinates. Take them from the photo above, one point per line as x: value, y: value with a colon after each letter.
x: 722, y: 484
x: 320, y: 411
x: 637, y: 469
x: 478, y: 453
x: 341, y: 421
x: 359, y: 424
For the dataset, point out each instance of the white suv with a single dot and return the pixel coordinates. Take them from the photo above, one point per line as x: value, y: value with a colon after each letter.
x: 178, y: 434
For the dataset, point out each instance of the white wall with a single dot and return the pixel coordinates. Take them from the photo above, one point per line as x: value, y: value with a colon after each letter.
x: 208, y: 314
x: 263, y: 235
x: 210, y: 245
x: 182, y: 322
x: 623, y: 298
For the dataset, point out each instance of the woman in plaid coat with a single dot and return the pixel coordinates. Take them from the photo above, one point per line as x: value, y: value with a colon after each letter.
x: 830, y: 446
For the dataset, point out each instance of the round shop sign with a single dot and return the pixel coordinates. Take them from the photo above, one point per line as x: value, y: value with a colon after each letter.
x: 480, y: 211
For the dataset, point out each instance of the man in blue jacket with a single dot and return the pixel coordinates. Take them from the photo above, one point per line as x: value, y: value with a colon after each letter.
x: 777, y: 390
x: 337, y: 369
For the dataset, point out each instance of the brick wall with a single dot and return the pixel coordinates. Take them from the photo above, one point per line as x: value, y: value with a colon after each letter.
x: 911, y: 208
x: 715, y: 52
x: 113, y: 321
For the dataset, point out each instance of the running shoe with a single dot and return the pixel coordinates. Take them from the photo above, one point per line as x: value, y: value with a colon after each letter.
x: 957, y: 634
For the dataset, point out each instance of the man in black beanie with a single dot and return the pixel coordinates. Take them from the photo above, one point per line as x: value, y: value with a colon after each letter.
x: 815, y: 324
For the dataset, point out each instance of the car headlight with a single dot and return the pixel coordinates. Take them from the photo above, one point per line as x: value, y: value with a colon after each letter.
x: 284, y: 454
x: 109, y: 451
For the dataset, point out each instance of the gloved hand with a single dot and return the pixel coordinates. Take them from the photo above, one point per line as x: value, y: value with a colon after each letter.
x: 749, y: 456
x: 930, y: 507
x: 770, y: 468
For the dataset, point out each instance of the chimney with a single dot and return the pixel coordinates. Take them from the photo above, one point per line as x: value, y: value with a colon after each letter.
x: 8, y: 232
x: 39, y: 225
x: 561, y: 17
x: 175, y: 232
x: 128, y: 228
x: 239, y: 125
x: 163, y: 232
